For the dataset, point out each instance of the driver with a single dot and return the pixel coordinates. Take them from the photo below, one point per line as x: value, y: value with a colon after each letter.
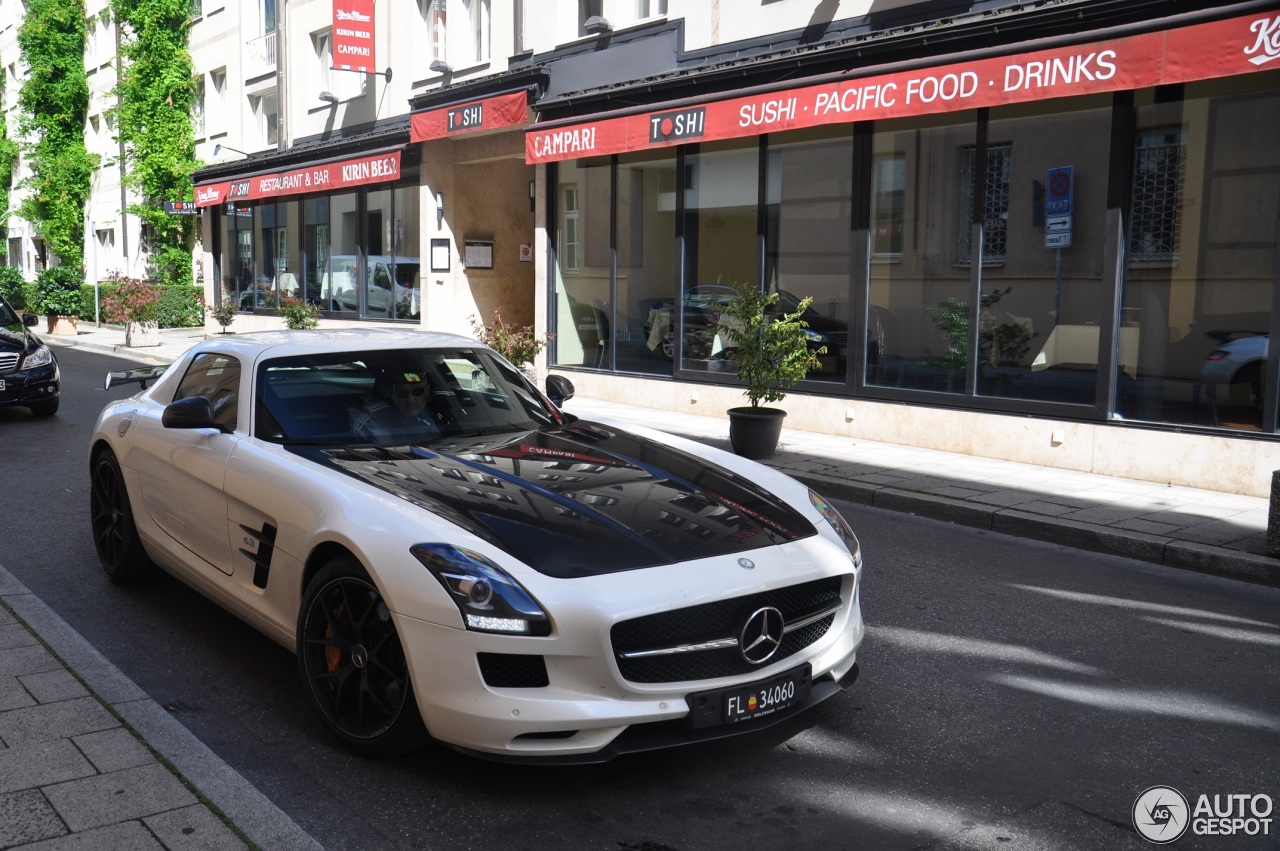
x: 398, y: 407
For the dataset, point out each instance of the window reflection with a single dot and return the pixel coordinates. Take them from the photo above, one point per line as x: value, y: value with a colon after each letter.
x: 810, y: 237
x: 919, y: 288
x: 1041, y: 303
x: 1200, y: 278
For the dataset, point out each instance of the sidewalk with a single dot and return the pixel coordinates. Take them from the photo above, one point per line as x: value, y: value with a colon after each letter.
x: 81, y: 750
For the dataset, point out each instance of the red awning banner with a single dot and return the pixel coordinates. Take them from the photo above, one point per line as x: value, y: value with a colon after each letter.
x: 1197, y: 52
x: 509, y: 110
x: 352, y: 41
x: 299, y: 181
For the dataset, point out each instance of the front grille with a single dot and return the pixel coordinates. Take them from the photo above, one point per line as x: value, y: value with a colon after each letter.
x: 8, y: 362
x: 509, y: 670
x: 719, y: 620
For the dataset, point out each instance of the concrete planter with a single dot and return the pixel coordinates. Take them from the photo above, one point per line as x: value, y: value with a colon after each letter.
x: 141, y: 334
x: 61, y: 324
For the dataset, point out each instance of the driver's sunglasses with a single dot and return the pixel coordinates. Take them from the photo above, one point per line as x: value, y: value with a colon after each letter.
x: 406, y: 392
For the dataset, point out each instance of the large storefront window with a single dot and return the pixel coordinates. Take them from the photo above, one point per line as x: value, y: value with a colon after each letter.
x: 1201, y: 272
x: 645, y: 209
x: 584, y: 261
x: 722, y: 244
x: 918, y: 318
x: 1041, y: 305
x: 809, y: 241
x: 321, y: 250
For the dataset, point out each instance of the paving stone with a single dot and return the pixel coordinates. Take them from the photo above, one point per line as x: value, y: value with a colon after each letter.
x: 52, y: 686
x: 15, y: 635
x: 1105, y: 515
x: 1042, y: 507
x: 114, y: 750
x: 1006, y: 497
x: 49, y: 721
x: 129, y: 836
x: 27, y: 817
x: 1139, y: 524
x: 118, y: 796
x: 27, y: 766
x: 13, y: 695
x: 31, y: 659
x: 193, y: 828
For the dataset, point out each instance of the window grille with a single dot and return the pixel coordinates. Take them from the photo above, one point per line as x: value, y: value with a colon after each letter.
x: 995, y: 203
x: 1159, y: 175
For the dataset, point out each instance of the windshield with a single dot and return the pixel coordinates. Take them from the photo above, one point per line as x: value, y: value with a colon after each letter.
x: 7, y: 316
x: 394, y: 397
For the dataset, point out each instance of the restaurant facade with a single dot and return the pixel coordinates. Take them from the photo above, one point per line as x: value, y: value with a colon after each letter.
x: 1041, y: 232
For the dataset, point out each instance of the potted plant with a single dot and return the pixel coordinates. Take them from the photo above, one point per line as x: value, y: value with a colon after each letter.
x: 135, y: 305
x: 299, y: 314
x: 772, y: 353
x: 520, y: 345
x: 224, y: 314
x: 57, y: 296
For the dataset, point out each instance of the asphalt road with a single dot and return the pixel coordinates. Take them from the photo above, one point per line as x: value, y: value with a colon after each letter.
x: 1013, y: 695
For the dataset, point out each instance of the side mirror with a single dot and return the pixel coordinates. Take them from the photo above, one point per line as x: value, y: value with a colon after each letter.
x: 30, y: 320
x: 559, y: 390
x: 192, y: 412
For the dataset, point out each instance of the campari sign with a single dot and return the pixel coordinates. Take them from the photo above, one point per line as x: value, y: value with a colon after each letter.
x: 353, y: 35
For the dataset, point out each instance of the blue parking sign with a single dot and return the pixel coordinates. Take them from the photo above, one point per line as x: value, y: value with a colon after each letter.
x: 1059, y: 185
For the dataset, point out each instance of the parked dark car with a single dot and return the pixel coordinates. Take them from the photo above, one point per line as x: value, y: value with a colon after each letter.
x: 29, y: 374
x: 702, y: 307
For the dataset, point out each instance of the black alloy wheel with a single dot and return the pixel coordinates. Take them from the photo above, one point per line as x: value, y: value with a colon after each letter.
x: 114, y: 534
x: 353, y: 665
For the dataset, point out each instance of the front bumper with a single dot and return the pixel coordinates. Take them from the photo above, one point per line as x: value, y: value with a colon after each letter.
x: 30, y: 386
x: 586, y: 712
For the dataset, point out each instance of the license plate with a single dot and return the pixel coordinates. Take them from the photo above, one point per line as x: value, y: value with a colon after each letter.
x: 746, y: 703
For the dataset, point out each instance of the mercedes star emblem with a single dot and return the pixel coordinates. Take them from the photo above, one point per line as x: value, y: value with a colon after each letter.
x: 746, y: 563
x: 762, y: 635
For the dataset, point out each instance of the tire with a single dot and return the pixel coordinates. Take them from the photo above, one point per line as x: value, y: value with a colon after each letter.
x: 44, y: 409
x: 115, y: 536
x: 353, y: 665
x: 668, y: 346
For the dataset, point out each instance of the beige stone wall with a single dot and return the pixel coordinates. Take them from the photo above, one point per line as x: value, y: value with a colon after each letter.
x: 1226, y: 464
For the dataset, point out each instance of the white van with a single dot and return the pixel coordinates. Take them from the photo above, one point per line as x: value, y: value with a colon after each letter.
x: 388, y: 281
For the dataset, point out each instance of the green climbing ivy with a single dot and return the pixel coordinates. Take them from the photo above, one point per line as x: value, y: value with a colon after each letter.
x: 54, y: 100
x: 156, y: 92
x: 8, y: 158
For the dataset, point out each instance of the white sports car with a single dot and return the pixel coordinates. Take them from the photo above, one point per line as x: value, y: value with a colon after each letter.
x: 453, y: 557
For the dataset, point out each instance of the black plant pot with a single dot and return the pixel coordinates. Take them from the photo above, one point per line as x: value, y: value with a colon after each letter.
x: 754, y: 432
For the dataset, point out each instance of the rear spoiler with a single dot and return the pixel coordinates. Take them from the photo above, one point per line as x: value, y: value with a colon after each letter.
x: 141, y: 375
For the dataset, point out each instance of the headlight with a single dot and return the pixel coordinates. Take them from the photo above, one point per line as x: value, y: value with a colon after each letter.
x: 40, y: 357
x: 840, y: 526
x: 488, y: 598
x: 814, y: 336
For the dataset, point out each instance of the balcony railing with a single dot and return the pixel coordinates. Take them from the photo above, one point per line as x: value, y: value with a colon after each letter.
x: 260, y: 56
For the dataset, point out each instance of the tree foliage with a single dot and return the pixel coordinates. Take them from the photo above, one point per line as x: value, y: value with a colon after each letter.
x: 157, y: 92
x: 8, y: 158
x: 768, y: 344
x: 54, y: 100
